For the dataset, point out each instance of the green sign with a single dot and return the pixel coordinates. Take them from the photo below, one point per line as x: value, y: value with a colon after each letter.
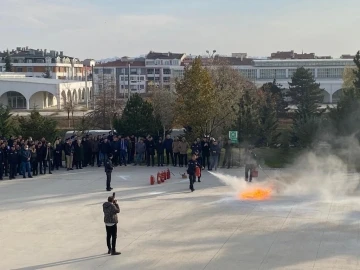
x: 233, y: 136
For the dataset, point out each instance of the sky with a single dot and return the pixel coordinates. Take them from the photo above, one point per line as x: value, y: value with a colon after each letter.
x: 106, y: 28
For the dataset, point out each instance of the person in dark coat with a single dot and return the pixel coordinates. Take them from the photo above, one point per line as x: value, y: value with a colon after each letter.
x: 123, y: 147
x: 205, y: 150
x: 115, y: 150
x: 192, y: 164
x: 57, y: 154
x: 132, y: 151
x: 25, y: 161
x: 48, y: 157
x: 160, y: 152
x: 106, y: 149
x: 13, y: 161
x: 168, y: 145
x: 108, y: 170
x: 34, y: 160
x: 40, y: 150
x: 79, y: 154
x: 150, y: 150
x: 111, y: 209
x: 87, y: 151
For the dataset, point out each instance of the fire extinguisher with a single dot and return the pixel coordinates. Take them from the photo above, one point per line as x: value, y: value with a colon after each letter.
x: 158, y: 178
x: 197, y: 172
x: 162, y: 177
x: 152, y: 180
x: 254, y: 173
x: 168, y: 174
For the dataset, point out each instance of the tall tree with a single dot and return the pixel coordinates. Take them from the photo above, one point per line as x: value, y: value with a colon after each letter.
x: 277, y: 92
x: 137, y: 118
x: 5, y: 123
x: 108, y: 105
x: 305, y: 93
x: 38, y: 126
x: 229, y: 85
x: 195, y: 101
x: 348, y: 77
x: 163, y: 102
x: 357, y: 70
x: 8, y: 66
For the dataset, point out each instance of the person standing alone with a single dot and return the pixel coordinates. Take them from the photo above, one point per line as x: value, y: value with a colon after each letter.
x: 108, y: 170
x: 111, y: 209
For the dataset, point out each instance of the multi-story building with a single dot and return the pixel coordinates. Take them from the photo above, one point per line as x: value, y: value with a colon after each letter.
x: 38, y: 62
x: 164, y: 68
x: 120, y: 74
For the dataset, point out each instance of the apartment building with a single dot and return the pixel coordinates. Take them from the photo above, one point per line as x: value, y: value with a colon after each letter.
x: 38, y: 62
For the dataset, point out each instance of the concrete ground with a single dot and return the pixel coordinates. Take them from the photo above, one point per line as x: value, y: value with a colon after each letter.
x: 56, y: 222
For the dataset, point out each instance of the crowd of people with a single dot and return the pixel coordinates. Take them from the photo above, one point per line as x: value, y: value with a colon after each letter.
x: 26, y: 157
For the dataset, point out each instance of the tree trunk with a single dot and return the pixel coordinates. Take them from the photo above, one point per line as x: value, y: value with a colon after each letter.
x: 69, y: 118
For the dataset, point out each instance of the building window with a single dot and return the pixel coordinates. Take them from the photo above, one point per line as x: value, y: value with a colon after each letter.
x: 157, y: 62
x: 293, y: 70
x: 157, y: 71
x: 272, y: 73
x: 122, y: 86
x: 29, y: 61
x: 150, y: 71
x: 167, y: 71
x: 142, y: 78
x: 175, y: 62
x: 249, y: 73
x: 142, y: 86
x: 96, y: 71
x: 29, y: 69
x: 133, y: 71
x: 107, y: 71
x: 330, y: 72
x: 166, y: 79
x: 19, y: 69
x: 157, y: 79
x: 151, y: 79
x: 150, y: 62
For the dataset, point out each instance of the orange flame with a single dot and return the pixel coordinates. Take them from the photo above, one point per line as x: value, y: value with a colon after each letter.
x: 255, y: 194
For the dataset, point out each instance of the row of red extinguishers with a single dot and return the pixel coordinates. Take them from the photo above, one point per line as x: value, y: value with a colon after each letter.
x: 161, y: 177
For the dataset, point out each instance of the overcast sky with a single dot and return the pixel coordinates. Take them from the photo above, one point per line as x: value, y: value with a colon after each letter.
x: 107, y: 28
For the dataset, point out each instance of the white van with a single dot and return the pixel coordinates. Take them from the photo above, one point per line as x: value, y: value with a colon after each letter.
x: 95, y: 132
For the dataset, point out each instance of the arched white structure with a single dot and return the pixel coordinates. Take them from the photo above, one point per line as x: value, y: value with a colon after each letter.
x: 38, y: 92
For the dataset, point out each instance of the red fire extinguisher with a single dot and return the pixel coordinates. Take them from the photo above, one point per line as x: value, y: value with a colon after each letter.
x: 162, y: 177
x: 197, y: 172
x: 168, y: 174
x: 152, y: 180
x: 158, y: 178
x: 254, y: 173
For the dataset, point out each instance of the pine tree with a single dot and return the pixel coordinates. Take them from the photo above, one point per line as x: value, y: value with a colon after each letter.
x: 277, y: 92
x: 8, y: 66
x: 5, y: 123
x: 357, y: 71
x: 137, y: 118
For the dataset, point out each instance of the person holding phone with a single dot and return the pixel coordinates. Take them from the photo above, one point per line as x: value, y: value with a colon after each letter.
x: 111, y: 209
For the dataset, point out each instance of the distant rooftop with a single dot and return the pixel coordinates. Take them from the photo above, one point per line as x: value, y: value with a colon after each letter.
x: 168, y: 55
x: 15, y: 77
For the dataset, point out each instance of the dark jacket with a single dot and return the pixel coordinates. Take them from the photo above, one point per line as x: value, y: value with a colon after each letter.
x: 108, y: 166
x: 33, y: 155
x: 160, y: 148
x: 94, y: 144
x: 123, y: 145
x: 13, y: 157
x: 40, y: 153
x: 106, y: 147
x: 58, y: 149
x: 79, y: 152
x: 192, y: 164
x: 68, y: 149
x: 168, y: 144
x: 150, y: 147
x: 48, y: 153
x: 215, y: 150
x: 195, y: 147
x: 25, y: 155
x: 2, y: 158
x: 140, y: 148
x: 205, y: 148
x: 110, y: 212
x: 115, y: 146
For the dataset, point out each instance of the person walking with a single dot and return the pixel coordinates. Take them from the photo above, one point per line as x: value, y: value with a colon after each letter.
x: 250, y: 164
x: 108, y: 170
x: 111, y: 209
x: 192, y: 164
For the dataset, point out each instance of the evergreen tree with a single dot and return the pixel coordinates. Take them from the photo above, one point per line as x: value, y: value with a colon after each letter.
x: 5, y: 123
x: 357, y: 71
x: 38, y: 126
x: 137, y: 118
x: 268, y: 119
x: 305, y: 93
x: 8, y: 66
x: 277, y: 92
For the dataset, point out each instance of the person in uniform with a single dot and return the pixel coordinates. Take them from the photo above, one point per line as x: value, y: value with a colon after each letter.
x: 108, y: 170
x: 192, y: 164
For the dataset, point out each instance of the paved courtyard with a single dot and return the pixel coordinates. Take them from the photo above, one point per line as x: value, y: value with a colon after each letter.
x: 56, y: 222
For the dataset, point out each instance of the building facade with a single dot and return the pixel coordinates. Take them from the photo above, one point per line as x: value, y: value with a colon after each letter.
x: 39, y: 63
x: 20, y: 92
x: 163, y: 68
